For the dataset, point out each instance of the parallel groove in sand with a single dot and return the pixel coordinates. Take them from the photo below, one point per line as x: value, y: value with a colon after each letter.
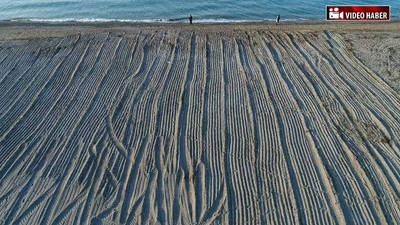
x: 188, y: 127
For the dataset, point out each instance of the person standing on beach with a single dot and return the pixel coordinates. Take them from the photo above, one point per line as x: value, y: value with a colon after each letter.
x: 191, y: 19
x: 278, y: 18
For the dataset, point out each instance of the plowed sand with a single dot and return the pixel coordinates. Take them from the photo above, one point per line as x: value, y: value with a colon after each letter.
x: 205, y: 124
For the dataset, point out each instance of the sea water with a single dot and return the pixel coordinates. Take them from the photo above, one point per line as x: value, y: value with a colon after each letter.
x: 176, y: 10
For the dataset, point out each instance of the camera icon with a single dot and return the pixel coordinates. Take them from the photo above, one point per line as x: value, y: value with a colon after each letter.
x: 334, y: 14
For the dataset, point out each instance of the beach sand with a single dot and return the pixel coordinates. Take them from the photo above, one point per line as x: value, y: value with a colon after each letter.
x: 251, y: 123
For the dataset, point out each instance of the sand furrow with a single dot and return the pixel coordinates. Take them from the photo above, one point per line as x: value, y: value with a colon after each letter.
x: 195, y: 126
x: 274, y: 198
x: 327, y: 105
x: 214, y: 138
x: 145, y: 99
x: 376, y: 99
x: 238, y: 119
x: 51, y: 119
x: 9, y: 63
x: 327, y: 143
x: 69, y: 156
x: 363, y: 144
x: 300, y: 139
x: 54, y: 91
x: 76, y: 114
x: 32, y: 89
x: 23, y: 65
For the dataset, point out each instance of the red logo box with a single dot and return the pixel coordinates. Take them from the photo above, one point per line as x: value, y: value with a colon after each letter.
x: 358, y: 12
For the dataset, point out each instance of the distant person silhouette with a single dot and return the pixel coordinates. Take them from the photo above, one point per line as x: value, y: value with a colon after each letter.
x: 191, y: 19
x: 278, y: 18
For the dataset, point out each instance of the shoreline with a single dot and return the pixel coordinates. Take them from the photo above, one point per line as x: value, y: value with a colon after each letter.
x: 179, y: 20
x: 183, y: 21
x: 163, y: 21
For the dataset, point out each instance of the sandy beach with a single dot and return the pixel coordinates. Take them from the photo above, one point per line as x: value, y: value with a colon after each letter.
x: 248, y: 123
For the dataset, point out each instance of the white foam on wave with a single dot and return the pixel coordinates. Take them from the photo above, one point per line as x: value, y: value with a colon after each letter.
x: 87, y: 20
